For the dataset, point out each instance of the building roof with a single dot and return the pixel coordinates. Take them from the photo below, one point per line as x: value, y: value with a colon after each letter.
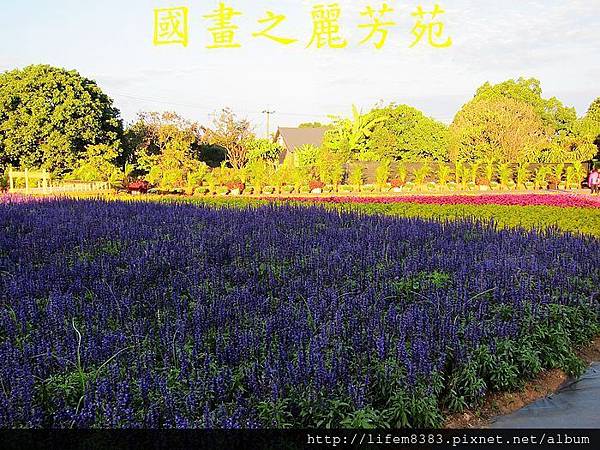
x: 296, y: 137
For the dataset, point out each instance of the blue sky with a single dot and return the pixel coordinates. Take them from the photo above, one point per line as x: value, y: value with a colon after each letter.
x: 111, y: 42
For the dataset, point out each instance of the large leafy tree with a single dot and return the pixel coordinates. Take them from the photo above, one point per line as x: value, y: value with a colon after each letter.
x: 152, y: 133
x: 232, y: 134
x: 499, y: 130
x: 262, y: 149
x: 407, y: 134
x: 49, y: 116
x: 590, y: 125
x: 348, y: 137
x: 559, y: 118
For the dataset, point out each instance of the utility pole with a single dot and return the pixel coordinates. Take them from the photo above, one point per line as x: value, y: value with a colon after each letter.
x: 268, y: 113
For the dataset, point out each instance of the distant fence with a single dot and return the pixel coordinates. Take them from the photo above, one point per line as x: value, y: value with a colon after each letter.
x: 40, y: 182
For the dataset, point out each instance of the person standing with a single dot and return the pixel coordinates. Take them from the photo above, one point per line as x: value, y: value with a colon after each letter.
x: 594, y: 181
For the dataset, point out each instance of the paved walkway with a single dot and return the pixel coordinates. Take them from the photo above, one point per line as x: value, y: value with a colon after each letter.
x: 575, y: 405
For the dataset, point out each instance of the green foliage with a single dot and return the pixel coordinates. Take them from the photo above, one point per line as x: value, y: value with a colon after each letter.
x: 505, y: 173
x: 305, y: 156
x: 575, y: 174
x: 559, y: 170
x: 264, y: 149
x: 232, y: 134
x: 405, y: 133
x: 383, y: 172
x: 311, y: 125
x: 330, y: 167
x: 197, y: 177
x: 541, y: 177
x: 421, y: 173
x: 3, y: 181
x: 489, y: 171
x: 474, y: 171
x: 356, y: 177
x: 513, y: 121
x: 528, y: 90
x: 98, y: 164
x: 170, y: 169
x: 523, y: 175
x: 260, y: 173
x: 148, y: 137
x: 499, y: 129
x: 444, y: 173
x: 349, y: 137
x: 50, y: 116
x: 590, y: 126
x: 402, y: 172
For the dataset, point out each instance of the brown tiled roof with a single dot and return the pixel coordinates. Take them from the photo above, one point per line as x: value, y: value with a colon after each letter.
x: 295, y: 137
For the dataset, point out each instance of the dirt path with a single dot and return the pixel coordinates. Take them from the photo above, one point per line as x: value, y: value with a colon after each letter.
x: 499, y: 404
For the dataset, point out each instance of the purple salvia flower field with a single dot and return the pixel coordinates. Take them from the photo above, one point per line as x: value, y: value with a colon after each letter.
x: 142, y: 314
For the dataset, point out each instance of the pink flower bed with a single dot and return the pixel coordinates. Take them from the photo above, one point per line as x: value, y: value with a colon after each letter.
x: 561, y: 200
x: 18, y: 198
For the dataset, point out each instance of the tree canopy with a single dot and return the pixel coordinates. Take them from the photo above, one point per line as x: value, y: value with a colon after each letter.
x: 498, y: 130
x: 231, y: 133
x: 546, y: 130
x: 590, y: 124
x: 553, y: 113
x: 49, y: 116
x: 407, y: 134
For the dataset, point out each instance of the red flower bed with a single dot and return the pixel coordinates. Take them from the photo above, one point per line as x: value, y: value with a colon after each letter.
x: 561, y: 200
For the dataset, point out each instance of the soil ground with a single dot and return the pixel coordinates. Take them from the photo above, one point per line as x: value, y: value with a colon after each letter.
x: 502, y: 403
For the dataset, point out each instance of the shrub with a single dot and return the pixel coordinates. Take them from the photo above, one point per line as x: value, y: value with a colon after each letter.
x: 222, y: 190
x: 421, y: 173
x: 287, y: 189
x: 402, y: 172
x: 369, y: 188
x: 197, y: 177
x: 203, y: 190
x: 489, y: 173
x: 473, y: 172
x: 396, y: 183
x: 268, y: 190
x: 505, y: 173
x: 443, y: 174
x: 523, y: 175
x: 382, y: 173
x: 356, y: 177
x: 541, y: 177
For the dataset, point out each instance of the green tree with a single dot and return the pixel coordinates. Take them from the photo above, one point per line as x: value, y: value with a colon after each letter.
x: 49, y: 116
x: 553, y: 113
x: 171, y: 168
x: 153, y: 132
x: 570, y: 138
x: 232, y: 134
x: 305, y: 156
x: 98, y: 164
x: 407, y: 134
x: 265, y: 149
x: 383, y: 172
x: 330, y: 167
x: 349, y: 137
x: 590, y: 125
x: 499, y: 130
